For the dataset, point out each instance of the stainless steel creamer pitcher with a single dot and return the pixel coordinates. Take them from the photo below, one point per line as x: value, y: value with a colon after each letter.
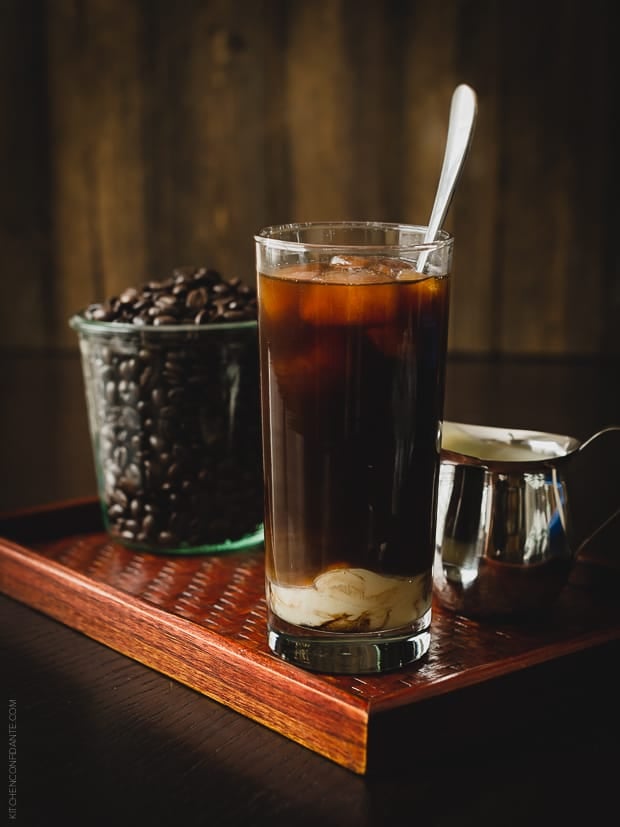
x: 506, y: 538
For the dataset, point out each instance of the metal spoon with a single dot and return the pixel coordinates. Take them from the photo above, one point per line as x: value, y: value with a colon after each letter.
x: 463, y: 111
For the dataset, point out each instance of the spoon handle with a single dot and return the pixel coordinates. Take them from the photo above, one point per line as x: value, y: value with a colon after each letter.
x: 463, y: 111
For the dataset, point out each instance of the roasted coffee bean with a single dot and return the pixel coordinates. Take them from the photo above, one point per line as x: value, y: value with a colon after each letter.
x: 166, y: 300
x: 129, y: 393
x: 127, y: 369
x: 197, y: 298
x: 110, y: 392
x: 203, y: 317
x: 129, y: 296
x: 130, y: 418
x: 108, y: 430
x: 120, y: 456
x: 174, y: 471
x: 165, y: 319
x: 156, y: 442
x: 146, y: 376
x: 166, y: 538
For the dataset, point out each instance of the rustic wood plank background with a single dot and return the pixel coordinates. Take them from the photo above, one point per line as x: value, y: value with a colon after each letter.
x: 141, y: 134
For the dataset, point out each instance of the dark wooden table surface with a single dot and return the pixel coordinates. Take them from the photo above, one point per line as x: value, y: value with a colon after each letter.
x: 102, y: 740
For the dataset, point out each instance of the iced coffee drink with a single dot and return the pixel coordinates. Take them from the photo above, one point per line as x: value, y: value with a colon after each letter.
x: 352, y: 372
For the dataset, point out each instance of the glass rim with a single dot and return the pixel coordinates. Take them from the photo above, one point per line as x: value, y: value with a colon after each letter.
x: 81, y: 324
x: 268, y: 236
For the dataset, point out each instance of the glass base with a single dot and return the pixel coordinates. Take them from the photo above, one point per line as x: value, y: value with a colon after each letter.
x: 227, y: 546
x: 346, y: 654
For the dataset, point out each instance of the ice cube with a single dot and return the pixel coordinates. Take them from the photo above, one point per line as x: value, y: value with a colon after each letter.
x: 349, y: 262
x: 348, y: 275
x: 394, y: 269
x: 358, y: 303
x: 363, y: 269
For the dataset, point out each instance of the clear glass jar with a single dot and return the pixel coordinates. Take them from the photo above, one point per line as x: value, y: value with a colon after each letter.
x: 174, y: 419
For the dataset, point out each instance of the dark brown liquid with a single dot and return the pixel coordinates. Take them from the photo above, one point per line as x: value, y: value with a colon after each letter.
x: 352, y: 386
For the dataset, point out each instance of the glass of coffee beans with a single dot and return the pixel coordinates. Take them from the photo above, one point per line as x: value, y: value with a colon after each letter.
x: 172, y: 390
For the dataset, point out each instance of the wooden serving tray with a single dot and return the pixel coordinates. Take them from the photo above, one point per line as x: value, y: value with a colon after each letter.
x: 202, y: 620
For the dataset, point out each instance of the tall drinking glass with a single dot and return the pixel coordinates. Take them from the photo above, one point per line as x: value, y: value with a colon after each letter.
x: 352, y: 355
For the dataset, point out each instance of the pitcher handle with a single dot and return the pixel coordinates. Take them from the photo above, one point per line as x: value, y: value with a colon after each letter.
x: 593, y: 475
x: 597, y: 436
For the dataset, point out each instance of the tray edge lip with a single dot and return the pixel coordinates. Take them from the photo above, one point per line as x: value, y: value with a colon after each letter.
x: 48, y: 508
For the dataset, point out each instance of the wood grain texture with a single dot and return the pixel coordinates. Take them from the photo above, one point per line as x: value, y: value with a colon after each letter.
x: 144, y: 135
x: 555, y: 132
x: 97, y: 173
x: 201, y: 620
x: 25, y: 231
